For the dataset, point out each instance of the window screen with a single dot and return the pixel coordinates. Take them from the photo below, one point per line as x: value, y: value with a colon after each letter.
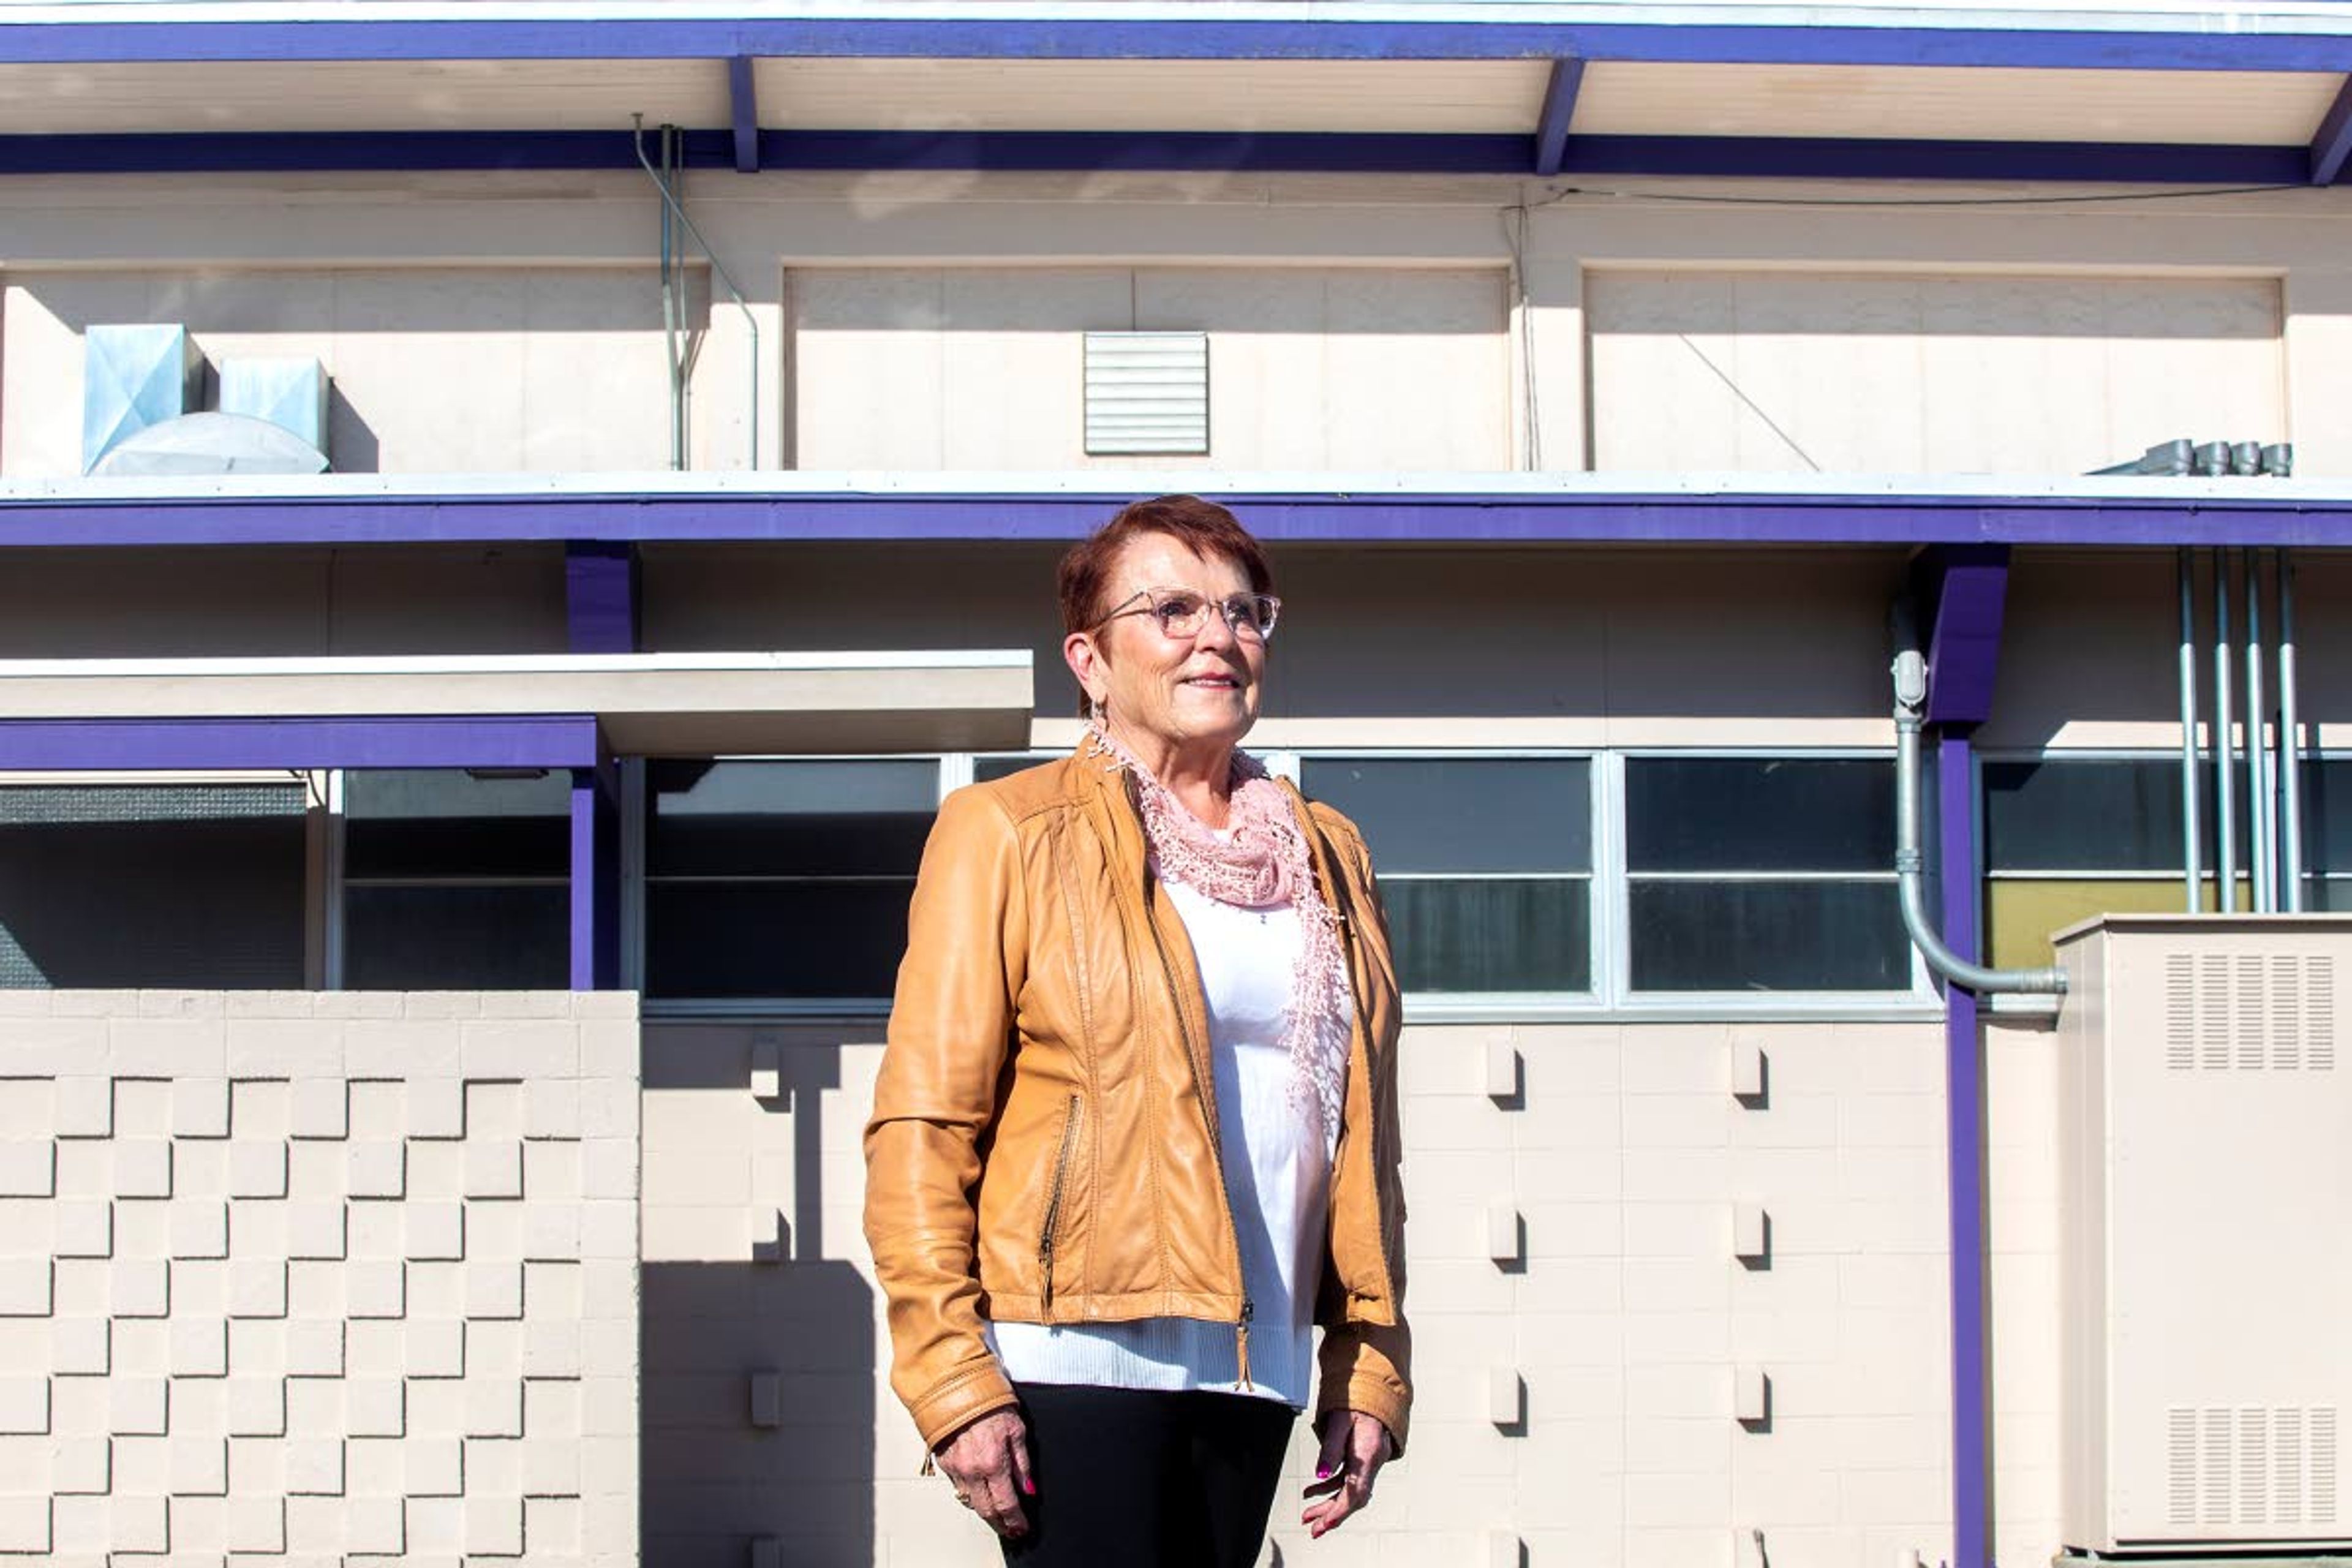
x: 1749, y: 874
x: 453, y: 881
x: 196, y: 886
x: 782, y: 880
x: 1485, y: 865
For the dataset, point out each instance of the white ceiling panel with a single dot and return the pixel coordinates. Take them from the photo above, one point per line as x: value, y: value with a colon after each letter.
x: 2210, y: 107
x: 406, y: 95
x: 1495, y: 95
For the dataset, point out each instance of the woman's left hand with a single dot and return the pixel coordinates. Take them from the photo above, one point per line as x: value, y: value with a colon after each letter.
x: 1355, y: 1446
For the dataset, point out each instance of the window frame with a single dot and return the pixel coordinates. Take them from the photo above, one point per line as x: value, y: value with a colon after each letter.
x: 1919, y: 1000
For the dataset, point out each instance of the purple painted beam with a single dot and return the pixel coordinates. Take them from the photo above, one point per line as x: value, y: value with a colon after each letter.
x: 569, y: 37
x: 1966, y: 586
x: 1559, y: 111
x: 599, y: 596
x: 595, y: 880
x: 1451, y: 517
x: 1756, y: 157
x: 534, y: 741
x: 743, y: 106
x: 2333, y: 142
x: 1964, y: 1113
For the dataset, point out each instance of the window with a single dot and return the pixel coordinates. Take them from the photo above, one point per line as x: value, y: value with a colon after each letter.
x: 456, y: 881
x: 1485, y: 865
x: 2067, y: 838
x: 781, y: 880
x: 152, y: 885
x: 1762, y: 874
x: 2326, y: 807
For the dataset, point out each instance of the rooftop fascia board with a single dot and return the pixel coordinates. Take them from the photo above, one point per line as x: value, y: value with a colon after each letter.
x: 2142, y: 37
x: 1499, y: 510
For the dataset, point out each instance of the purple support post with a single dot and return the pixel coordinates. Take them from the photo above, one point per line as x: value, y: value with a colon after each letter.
x: 1964, y: 1122
x: 595, y: 879
x: 600, y: 596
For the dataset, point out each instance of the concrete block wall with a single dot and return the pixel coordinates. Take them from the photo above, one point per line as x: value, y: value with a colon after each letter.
x: 318, y: 1278
x: 1604, y: 1378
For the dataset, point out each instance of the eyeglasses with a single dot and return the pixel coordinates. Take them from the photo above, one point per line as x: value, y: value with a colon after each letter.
x: 1182, y: 613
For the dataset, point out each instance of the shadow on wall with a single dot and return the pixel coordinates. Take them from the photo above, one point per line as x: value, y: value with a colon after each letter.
x: 758, y: 1372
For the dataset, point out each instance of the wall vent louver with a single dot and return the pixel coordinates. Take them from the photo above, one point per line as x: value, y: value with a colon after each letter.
x: 2246, y: 1465
x: 2249, y: 1013
x: 1146, y: 393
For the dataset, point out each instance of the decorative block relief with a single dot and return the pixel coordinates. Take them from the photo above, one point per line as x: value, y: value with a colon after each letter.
x: 310, y: 1277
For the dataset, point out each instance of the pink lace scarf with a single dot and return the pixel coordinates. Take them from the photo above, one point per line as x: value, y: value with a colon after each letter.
x: 1263, y: 861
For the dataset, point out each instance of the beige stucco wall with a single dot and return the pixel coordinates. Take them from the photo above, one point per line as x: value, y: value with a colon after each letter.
x: 339, y: 1276
x: 931, y: 320
x: 1629, y: 1322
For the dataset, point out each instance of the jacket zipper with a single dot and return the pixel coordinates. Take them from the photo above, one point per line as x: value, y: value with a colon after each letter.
x: 1053, y: 1204
x: 1207, y: 1069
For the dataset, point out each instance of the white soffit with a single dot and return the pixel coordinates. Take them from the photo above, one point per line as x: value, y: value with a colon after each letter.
x: 1493, y: 96
x: 360, y: 95
x: 2265, y: 109
x: 651, y: 704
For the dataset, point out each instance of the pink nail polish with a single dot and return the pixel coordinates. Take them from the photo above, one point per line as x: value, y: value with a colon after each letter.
x: 1323, y: 1471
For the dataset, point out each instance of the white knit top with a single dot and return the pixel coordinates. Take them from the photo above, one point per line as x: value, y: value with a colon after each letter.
x: 1278, y: 1177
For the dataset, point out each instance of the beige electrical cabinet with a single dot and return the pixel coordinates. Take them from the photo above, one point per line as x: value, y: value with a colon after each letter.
x: 2206, y: 1146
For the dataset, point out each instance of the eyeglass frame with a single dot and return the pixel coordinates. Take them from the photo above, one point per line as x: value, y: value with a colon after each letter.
x: 1261, y: 635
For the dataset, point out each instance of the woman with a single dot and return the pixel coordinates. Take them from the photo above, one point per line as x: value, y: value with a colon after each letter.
x: 1135, y: 1132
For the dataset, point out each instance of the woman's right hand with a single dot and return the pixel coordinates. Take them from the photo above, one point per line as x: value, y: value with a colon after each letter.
x: 987, y: 1462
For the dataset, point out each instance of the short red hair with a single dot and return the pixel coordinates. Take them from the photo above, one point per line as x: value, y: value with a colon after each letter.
x: 1204, y: 528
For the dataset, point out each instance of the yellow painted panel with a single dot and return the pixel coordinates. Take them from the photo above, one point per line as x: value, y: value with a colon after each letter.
x: 2022, y: 916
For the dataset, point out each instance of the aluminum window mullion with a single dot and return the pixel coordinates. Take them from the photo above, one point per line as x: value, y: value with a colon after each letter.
x: 335, y: 851
x: 1612, y: 961
x: 633, y: 874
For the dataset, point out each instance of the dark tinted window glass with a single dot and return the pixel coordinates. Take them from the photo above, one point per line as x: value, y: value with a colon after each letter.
x: 447, y: 823
x: 1501, y: 814
x: 790, y: 818
x: 1759, y: 814
x: 782, y: 880
x: 1491, y: 935
x: 812, y: 939
x: 2326, y: 817
x: 1767, y: 936
x: 2324, y: 896
x: 194, y: 886
x: 2088, y: 815
x: 986, y: 768
x: 428, y: 938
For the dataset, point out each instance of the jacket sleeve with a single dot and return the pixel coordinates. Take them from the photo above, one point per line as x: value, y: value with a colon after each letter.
x: 1369, y: 1366
x: 934, y: 1101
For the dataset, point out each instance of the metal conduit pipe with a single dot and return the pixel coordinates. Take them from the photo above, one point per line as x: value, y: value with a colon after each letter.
x: 2192, y: 868
x: 751, y: 323
x: 1910, y: 693
x: 2225, y: 811
x: 2262, y: 834
x: 2290, y: 744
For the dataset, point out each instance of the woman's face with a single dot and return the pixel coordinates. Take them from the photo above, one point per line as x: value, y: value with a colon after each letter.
x: 1182, y: 692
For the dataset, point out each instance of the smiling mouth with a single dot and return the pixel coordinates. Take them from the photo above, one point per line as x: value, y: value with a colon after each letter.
x: 1215, y: 682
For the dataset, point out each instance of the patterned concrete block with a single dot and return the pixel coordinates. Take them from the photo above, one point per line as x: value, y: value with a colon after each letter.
x: 142, y: 1168
x: 199, y: 1347
x: 435, y: 1467
x: 141, y: 1287
x: 138, y: 1407
x: 256, y: 1287
x: 26, y: 1286
x: 376, y: 1525
x: 493, y: 1170
x: 200, y: 1108
x: 434, y: 1348
x: 199, y: 1228
x: 84, y: 1106
x: 436, y: 1107
x: 318, y: 1108
x: 80, y: 1466
x: 257, y: 1170
x: 435, y: 1230
x: 23, y: 1403
x: 29, y: 1168
x: 373, y: 1406
x: 257, y: 1406
x: 80, y: 1346
x: 378, y: 1168
x: 314, y: 1347
x: 315, y: 1230
x: 82, y: 1229
x: 374, y: 1290
x: 25, y: 1524
x: 314, y: 1466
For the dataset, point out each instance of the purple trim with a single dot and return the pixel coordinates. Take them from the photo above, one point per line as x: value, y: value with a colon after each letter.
x: 1062, y: 38
x: 1432, y: 517
x: 2333, y: 142
x: 522, y: 742
x: 1559, y: 111
x: 1968, y: 584
x: 596, y: 900
x: 599, y: 596
x: 1756, y: 157
x: 1964, y: 1123
x: 743, y: 106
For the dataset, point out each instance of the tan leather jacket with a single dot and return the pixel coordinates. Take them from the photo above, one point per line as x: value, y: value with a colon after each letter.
x: 1043, y: 1146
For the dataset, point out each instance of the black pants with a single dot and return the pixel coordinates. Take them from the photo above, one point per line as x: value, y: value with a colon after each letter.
x: 1133, y: 1480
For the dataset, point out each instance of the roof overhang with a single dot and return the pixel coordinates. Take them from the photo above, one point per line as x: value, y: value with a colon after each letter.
x: 1321, y: 508
x: 2145, y: 93
x: 250, y: 712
